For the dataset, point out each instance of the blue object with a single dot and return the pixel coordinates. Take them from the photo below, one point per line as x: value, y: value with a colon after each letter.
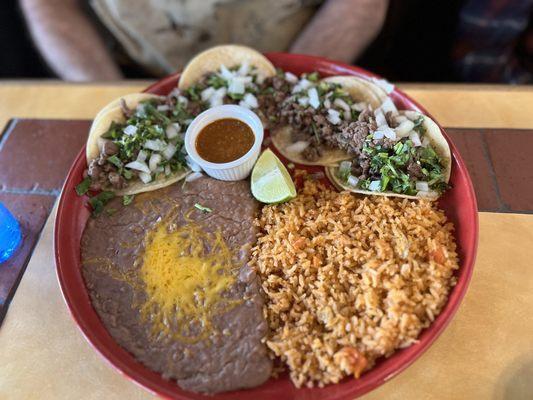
x: 10, y: 235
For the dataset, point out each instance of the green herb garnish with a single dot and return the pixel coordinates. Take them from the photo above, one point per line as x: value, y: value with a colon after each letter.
x: 127, y: 199
x: 202, y: 208
x: 419, y: 125
x: 83, y: 186
x: 100, y: 200
x: 115, y: 161
x: 313, y: 77
x: 216, y: 81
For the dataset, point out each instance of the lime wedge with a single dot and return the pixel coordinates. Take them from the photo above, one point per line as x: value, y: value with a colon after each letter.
x: 271, y: 183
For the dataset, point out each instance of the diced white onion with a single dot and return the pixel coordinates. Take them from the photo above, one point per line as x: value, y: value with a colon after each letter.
x: 374, y: 186
x: 400, y: 118
x: 378, y: 135
x: 347, y: 115
x: 183, y: 100
x: 159, y: 169
x: 380, y: 118
x: 155, y: 159
x: 384, y: 84
x: 172, y: 130
x: 142, y: 155
x: 244, y: 104
x: 334, y: 116
x: 225, y: 73
x: 139, y: 166
x: 194, y: 176
x: 404, y: 128
x: 389, y: 133
x: 327, y: 103
x: 359, y: 106
x: 244, y: 69
x: 163, y: 107
x: 236, y: 86
x: 345, y: 166
x: 303, y: 101
x: 175, y: 92
x: 167, y: 170
x: 297, y: 147
x: 154, y: 144
x: 217, y: 98
x: 139, y: 110
x: 425, y: 142
x: 207, y: 93
x: 353, y: 181
x: 192, y: 164
x: 388, y: 105
x: 169, y: 151
x: 420, y: 185
x: 412, y: 115
x: 130, y: 130
x: 415, y: 139
x: 342, y: 104
x: 314, y: 101
x: 145, y: 177
x: 290, y: 77
x: 251, y: 100
x: 303, y: 84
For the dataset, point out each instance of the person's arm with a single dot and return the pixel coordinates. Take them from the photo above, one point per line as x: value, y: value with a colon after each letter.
x: 67, y: 40
x: 342, y: 29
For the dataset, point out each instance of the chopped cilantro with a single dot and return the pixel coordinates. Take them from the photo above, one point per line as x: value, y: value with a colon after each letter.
x: 216, y: 81
x: 236, y: 96
x: 100, y: 200
x: 192, y: 92
x: 127, y: 174
x: 313, y: 77
x: 111, y: 211
x: 83, y: 186
x: 419, y: 125
x: 127, y: 199
x: 115, y: 161
x: 202, y: 208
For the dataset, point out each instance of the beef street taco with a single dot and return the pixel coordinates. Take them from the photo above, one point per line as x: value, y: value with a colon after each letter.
x: 231, y: 61
x: 128, y: 100
x: 310, y: 113
x: 406, y: 156
x: 135, y: 144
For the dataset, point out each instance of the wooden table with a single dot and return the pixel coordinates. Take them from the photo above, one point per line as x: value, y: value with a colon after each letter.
x: 486, y: 352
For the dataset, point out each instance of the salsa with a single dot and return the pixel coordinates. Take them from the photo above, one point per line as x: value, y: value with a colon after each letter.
x: 224, y: 140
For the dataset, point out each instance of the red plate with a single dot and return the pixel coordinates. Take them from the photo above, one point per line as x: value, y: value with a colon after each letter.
x: 459, y: 204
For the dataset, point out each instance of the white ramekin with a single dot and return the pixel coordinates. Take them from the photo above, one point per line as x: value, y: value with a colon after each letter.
x: 234, y: 170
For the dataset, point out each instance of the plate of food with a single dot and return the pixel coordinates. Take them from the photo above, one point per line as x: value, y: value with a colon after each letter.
x: 263, y: 226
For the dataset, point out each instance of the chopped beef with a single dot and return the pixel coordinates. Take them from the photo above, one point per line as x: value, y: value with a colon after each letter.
x: 351, y: 136
x: 194, y: 107
x: 312, y: 152
x: 102, y: 173
x: 109, y: 148
x: 391, y: 120
x: 117, y: 181
x: 414, y: 170
x: 128, y: 112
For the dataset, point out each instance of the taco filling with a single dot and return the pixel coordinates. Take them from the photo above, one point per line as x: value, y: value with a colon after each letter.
x: 396, y: 157
x: 380, y: 149
x: 386, y: 150
x: 147, y: 146
x: 315, y: 110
